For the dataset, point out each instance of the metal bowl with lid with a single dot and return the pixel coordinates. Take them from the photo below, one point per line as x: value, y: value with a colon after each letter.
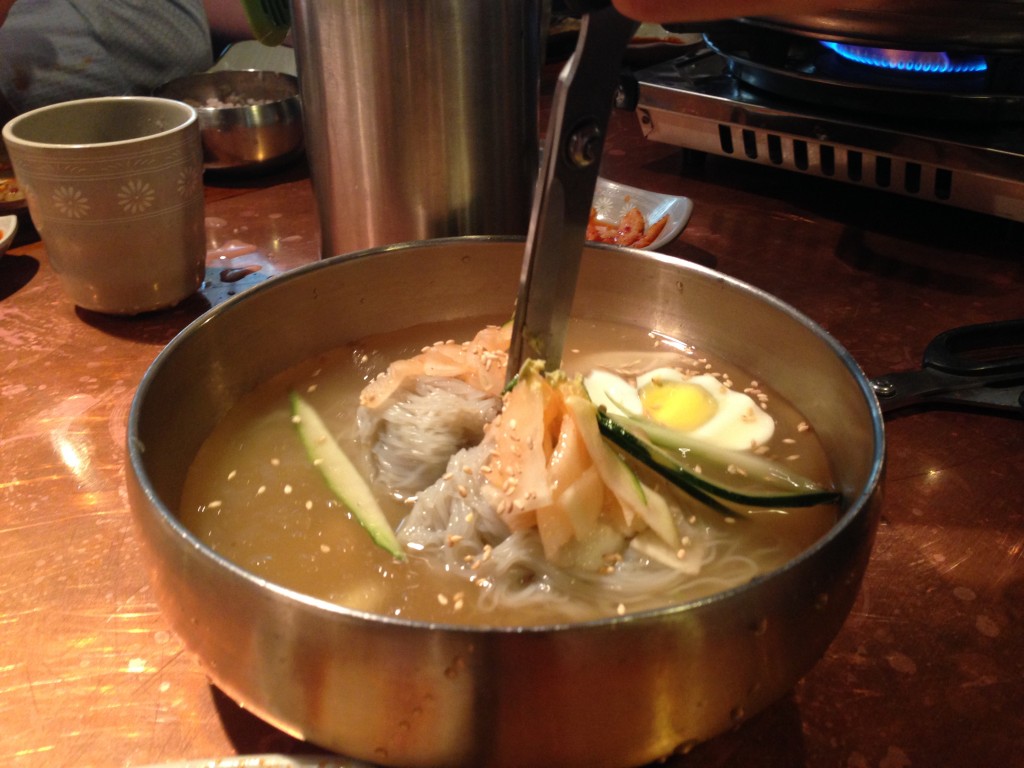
x: 620, y: 691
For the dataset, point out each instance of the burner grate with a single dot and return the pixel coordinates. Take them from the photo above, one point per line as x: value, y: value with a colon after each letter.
x: 843, y: 163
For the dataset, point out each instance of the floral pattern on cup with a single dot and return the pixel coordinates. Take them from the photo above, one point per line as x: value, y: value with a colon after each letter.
x: 71, y: 202
x: 136, y: 196
x: 81, y: 192
x: 90, y: 200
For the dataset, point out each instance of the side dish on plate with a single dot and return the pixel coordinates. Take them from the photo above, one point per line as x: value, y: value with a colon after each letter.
x: 636, y: 218
x: 8, y: 228
x: 12, y: 197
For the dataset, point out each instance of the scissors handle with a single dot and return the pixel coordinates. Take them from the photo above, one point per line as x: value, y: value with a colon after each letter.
x: 982, y: 350
x: 976, y: 365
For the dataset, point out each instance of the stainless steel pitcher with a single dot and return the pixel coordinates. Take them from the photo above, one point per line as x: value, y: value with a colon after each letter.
x: 420, y: 117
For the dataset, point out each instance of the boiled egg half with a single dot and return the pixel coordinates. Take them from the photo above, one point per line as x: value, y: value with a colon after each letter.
x: 700, y: 406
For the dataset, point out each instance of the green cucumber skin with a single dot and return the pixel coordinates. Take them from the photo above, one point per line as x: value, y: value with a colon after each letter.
x: 341, y: 476
x: 685, y: 479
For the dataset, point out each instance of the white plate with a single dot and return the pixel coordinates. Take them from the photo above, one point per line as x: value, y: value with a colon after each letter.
x: 8, y: 227
x: 612, y: 201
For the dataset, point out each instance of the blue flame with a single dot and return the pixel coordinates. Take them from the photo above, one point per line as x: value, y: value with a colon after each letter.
x: 931, y: 62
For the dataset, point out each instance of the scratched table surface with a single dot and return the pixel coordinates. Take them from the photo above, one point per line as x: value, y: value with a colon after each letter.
x: 927, y: 671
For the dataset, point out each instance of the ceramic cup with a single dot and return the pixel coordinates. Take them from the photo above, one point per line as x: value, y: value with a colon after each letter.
x: 114, y: 188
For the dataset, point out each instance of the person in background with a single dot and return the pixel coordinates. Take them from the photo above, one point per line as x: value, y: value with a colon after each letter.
x: 57, y: 50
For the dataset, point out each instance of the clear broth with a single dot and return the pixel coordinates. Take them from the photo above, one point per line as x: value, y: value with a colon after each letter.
x: 252, y: 495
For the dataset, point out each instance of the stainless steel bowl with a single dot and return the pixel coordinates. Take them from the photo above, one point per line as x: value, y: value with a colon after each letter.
x: 621, y: 691
x: 249, y: 119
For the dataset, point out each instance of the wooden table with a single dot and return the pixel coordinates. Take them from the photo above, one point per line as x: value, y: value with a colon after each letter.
x: 928, y: 670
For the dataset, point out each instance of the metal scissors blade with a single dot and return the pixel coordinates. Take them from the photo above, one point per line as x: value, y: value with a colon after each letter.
x: 978, y: 365
x: 582, y: 103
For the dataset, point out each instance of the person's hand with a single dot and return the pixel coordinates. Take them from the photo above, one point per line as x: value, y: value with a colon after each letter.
x: 5, y: 6
x: 705, y: 10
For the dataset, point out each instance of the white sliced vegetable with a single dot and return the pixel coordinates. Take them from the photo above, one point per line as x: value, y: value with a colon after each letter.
x: 680, y: 559
x: 619, y: 477
x: 342, y: 477
x: 613, y: 392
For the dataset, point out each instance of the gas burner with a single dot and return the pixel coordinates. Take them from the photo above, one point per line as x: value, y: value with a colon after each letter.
x: 792, y: 102
x: 891, y: 82
x: 923, y: 62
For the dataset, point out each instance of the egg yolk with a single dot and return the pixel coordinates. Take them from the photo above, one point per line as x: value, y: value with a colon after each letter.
x: 678, y: 404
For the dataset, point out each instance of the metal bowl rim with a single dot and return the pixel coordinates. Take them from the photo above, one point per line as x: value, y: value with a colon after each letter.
x: 199, y: 77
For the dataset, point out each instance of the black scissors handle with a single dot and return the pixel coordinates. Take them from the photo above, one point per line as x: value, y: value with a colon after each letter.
x: 976, y: 365
x: 986, y: 349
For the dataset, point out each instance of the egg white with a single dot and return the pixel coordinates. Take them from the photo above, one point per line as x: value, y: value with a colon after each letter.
x: 738, y: 422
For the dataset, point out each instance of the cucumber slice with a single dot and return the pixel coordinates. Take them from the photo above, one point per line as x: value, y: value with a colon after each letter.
x: 757, y: 481
x: 341, y: 476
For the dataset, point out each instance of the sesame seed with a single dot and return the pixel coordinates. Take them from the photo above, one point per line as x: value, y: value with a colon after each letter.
x: 309, y: 504
x: 442, y: 599
x: 463, y: 491
x: 275, y: 462
x: 261, y: 490
x: 296, y: 419
x: 214, y: 505
x: 232, y: 474
x: 287, y: 489
x: 803, y: 426
x: 454, y: 539
x: 620, y: 609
